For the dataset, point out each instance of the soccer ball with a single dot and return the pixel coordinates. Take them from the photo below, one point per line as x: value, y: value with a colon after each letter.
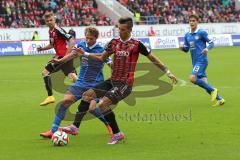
x: 60, y: 138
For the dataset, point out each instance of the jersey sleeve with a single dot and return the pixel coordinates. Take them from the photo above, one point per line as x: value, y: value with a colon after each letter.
x: 110, y: 47
x: 63, y: 33
x: 208, y: 40
x: 80, y: 45
x: 143, y: 49
x: 186, y: 45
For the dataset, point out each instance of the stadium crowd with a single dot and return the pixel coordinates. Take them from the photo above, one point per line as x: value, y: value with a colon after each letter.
x: 22, y: 13
x: 177, y: 11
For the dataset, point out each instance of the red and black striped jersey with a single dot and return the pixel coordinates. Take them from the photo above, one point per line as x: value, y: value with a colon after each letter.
x: 58, y: 38
x: 125, y: 58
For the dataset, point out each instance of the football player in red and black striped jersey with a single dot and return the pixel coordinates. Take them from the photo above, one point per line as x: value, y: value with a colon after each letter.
x: 125, y: 51
x: 58, y: 41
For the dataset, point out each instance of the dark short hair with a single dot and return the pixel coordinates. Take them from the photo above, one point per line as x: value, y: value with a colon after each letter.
x: 126, y: 20
x: 48, y: 13
x: 194, y: 16
x: 93, y: 31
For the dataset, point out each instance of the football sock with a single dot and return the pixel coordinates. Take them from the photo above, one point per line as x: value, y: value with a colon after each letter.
x: 82, y: 110
x: 218, y: 96
x: 48, y: 85
x: 59, y: 117
x: 110, y: 117
x: 204, y: 85
x: 98, y: 113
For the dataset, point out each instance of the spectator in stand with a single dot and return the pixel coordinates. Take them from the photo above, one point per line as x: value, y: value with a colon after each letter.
x: 21, y: 13
x: 35, y: 36
x: 151, y: 32
x: 176, y: 11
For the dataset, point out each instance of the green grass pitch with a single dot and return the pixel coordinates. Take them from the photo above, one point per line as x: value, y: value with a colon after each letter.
x: 202, y: 132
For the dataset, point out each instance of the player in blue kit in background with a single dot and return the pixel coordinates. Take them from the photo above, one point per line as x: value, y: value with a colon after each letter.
x: 195, y: 41
x: 89, y: 76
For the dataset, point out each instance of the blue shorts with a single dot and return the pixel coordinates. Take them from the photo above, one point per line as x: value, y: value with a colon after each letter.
x: 199, y: 69
x: 77, y: 91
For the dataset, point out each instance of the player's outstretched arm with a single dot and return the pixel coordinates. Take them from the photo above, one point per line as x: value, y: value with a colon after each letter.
x: 161, y: 66
x: 66, y: 58
x: 100, y: 57
x: 70, y: 46
x: 49, y: 46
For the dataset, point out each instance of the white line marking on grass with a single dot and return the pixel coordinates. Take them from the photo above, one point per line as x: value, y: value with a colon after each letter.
x: 182, y: 82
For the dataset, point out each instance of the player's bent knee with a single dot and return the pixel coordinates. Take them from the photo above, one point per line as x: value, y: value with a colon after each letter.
x: 72, y: 76
x: 92, y: 105
x: 89, y: 95
x: 192, y: 79
x: 45, y: 73
x: 68, y: 100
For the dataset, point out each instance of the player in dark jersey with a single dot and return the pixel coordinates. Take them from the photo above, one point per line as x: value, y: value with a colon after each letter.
x: 58, y: 41
x: 125, y: 51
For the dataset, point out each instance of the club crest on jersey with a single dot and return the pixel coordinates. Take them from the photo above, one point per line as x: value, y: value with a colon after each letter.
x: 192, y: 44
x: 122, y: 53
x: 196, y: 37
x: 118, y: 46
x: 131, y: 46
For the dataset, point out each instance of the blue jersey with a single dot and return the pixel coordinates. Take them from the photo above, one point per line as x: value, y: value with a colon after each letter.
x: 196, y: 42
x: 90, y: 70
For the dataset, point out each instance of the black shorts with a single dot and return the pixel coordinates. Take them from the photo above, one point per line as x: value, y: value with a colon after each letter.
x: 66, y: 68
x: 114, y: 90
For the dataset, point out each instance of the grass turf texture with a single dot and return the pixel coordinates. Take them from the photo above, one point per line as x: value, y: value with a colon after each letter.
x: 210, y: 132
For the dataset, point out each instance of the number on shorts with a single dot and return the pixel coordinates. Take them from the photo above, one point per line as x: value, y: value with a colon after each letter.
x: 196, y: 68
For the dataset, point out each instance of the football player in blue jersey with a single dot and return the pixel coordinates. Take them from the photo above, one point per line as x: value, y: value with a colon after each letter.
x: 196, y: 41
x: 89, y: 76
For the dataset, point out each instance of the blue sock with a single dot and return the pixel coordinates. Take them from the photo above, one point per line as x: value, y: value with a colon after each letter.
x: 59, y: 117
x: 218, y: 97
x: 204, y: 85
x: 98, y: 113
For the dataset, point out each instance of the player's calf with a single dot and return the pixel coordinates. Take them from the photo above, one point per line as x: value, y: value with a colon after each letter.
x: 104, y: 104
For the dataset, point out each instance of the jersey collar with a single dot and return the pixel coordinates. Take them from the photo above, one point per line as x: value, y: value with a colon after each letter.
x: 55, y: 26
x: 91, y: 47
x: 194, y: 31
x: 126, y: 40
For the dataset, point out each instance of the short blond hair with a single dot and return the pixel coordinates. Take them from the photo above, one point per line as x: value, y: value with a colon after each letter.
x: 194, y: 16
x: 93, y: 31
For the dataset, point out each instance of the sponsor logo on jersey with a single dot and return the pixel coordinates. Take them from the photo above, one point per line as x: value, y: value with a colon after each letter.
x: 122, y: 53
